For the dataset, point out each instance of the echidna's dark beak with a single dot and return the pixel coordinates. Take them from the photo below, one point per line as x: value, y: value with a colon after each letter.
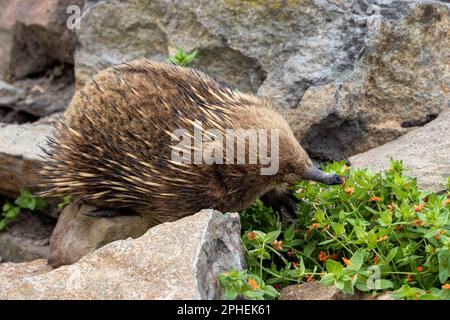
x: 320, y: 176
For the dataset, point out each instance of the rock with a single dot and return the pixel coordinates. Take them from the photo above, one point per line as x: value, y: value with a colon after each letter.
x: 316, y: 291
x: 26, y: 238
x: 424, y: 151
x: 9, y: 94
x: 399, y: 79
x: 178, y: 260
x: 47, y: 94
x: 76, y: 234
x: 19, y: 155
x: 34, y: 36
x: 347, y: 76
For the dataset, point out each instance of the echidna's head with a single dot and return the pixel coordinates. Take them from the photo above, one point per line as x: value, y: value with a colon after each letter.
x: 296, y: 165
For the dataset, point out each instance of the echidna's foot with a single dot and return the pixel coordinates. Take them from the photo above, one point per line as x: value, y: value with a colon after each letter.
x: 110, y: 213
x: 279, y: 198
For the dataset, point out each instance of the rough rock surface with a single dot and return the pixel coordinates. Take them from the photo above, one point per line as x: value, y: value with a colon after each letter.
x: 76, y: 234
x: 424, y: 151
x: 316, y: 291
x: 34, y: 35
x: 178, y: 260
x: 348, y: 75
x: 26, y: 238
x: 19, y: 154
x: 9, y: 94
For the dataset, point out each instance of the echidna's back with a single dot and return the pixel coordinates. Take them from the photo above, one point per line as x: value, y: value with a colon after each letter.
x: 113, y: 149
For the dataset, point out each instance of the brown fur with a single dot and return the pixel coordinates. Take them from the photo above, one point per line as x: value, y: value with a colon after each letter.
x: 112, y: 149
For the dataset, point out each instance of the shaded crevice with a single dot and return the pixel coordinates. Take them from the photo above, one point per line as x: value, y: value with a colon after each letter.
x: 334, y: 138
x: 419, y: 122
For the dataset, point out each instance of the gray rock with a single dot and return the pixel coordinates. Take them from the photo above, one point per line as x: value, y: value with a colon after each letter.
x: 19, y: 155
x: 178, y: 260
x: 317, y: 291
x: 347, y: 75
x: 9, y: 94
x: 399, y: 81
x: 424, y: 151
x: 314, y: 291
x: 34, y: 36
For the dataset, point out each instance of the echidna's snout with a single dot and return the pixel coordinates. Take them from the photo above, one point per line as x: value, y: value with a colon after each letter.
x: 312, y: 173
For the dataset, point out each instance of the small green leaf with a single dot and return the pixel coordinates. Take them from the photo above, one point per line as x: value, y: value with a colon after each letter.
x: 271, y: 236
x: 338, y: 228
x: 309, y: 248
x: 289, y: 233
x: 357, y: 259
x: 384, y: 284
x: 333, y: 266
x: 385, y: 218
x: 327, y: 280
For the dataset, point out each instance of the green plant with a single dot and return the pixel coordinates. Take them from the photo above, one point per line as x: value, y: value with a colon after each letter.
x: 67, y: 200
x: 183, y: 58
x: 376, y: 231
x: 26, y: 200
x: 239, y: 283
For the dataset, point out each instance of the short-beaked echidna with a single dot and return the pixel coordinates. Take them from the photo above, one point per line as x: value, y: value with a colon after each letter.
x: 114, y: 146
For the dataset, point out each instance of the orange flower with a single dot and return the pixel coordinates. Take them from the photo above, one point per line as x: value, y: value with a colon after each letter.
x: 419, y: 269
x: 418, y: 223
x: 376, y: 259
x: 375, y: 198
x: 310, y: 278
x: 438, y: 236
x: 381, y: 239
x: 446, y: 286
x: 277, y: 245
x: 346, y: 261
x: 252, y: 235
x: 323, y: 256
x: 253, y: 284
x: 296, y: 264
x: 350, y: 190
x: 314, y: 226
x: 446, y: 202
x: 419, y: 207
x: 392, y: 207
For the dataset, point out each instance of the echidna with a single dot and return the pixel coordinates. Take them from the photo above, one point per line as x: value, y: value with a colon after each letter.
x: 114, y: 146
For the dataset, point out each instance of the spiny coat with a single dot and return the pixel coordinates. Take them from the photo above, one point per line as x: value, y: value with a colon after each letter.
x: 113, y: 147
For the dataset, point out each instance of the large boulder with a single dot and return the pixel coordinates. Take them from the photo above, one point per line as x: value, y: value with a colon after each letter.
x: 179, y: 260
x: 347, y: 75
x: 424, y: 151
x: 34, y: 35
x: 400, y: 81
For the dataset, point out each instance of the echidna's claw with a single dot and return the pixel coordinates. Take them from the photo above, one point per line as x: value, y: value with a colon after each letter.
x: 279, y: 198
